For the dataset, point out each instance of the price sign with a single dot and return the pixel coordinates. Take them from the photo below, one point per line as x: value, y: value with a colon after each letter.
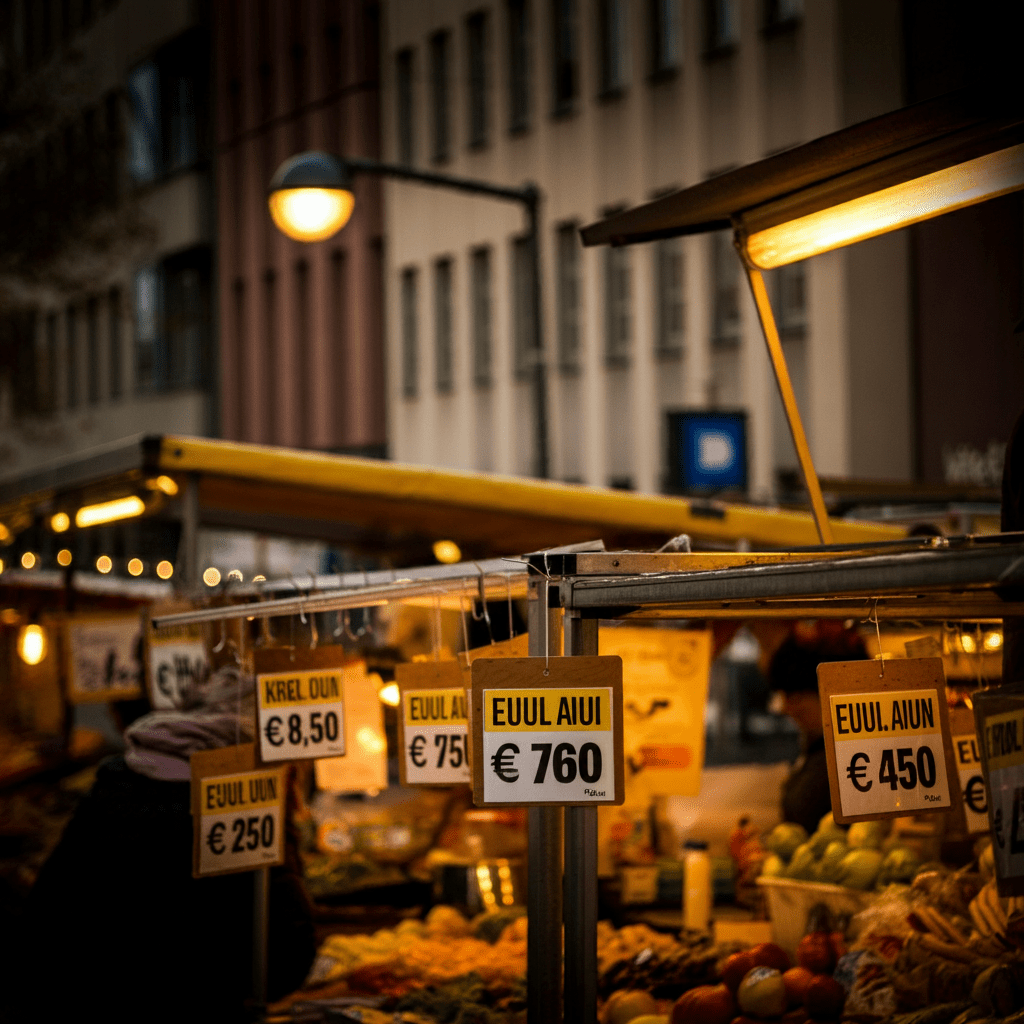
x: 176, y: 657
x: 549, y: 731
x: 301, y: 705
x: 237, y: 812
x: 104, y: 658
x: 887, y: 738
x: 967, y: 750
x: 1000, y: 719
x: 433, y: 724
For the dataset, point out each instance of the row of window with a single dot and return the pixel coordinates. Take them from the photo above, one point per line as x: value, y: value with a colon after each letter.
x: 663, y: 30
x: 80, y: 360
x: 36, y: 27
x: 669, y: 307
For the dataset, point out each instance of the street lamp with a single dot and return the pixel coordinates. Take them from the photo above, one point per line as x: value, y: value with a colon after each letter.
x: 311, y: 199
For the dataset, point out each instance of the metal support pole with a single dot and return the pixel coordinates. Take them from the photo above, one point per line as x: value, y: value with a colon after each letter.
x: 580, y: 872
x: 796, y: 426
x: 188, y: 544
x: 260, y: 930
x: 544, y: 882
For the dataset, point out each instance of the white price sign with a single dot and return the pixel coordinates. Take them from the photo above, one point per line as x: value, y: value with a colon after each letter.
x: 556, y: 743
x: 238, y: 817
x: 890, y: 749
x: 434, y: 737
x: 174, y: 666
x: 301, y: 714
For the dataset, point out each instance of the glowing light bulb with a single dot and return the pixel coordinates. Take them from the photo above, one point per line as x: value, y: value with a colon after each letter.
x: 390, y: 695
x: 28, y: 560
x: 211, y: 576
x: 164, y: 570
x: 32, y: 644
x: 135, y: 567
x: 104, y: 564
x: 447, y: 551
x: 64, y: 557
x: 310, y: 214
x: 60, y: 522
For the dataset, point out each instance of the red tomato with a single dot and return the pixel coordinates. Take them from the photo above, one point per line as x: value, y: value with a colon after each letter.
x: 735, y: 967
x: 816, y: 952
x: 767, y: 954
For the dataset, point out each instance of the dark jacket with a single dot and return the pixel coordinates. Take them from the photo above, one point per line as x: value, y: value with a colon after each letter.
x: 118, y: 929
x: 806, y: 798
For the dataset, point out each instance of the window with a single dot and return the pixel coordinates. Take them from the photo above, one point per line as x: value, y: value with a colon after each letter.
x: 144, y: 157
x: 440, y: 45
x: 410, y: 353
x: 92, y: 349
x: 670, y: 301
x: 523, y: 335
x: 664, y: 40
x: 790, y: 300
x: 444, y: 355
x: 612, y: 46
x: 565, y: 68
x: 114, y: 342
x: 480, y: 264
x: 476, y: 41
x: 71, y: 355
x: 518, y: 66
x: 618, y: 318
x: 721, y: 26
x: 568, y: 284
x: 403, y: 95
x: 167, y: 96
x: 172, y: 316
x: 782, y: 14
x: 725, y: 271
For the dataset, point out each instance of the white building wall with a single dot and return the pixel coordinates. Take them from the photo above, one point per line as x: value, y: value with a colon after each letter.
x: 606, y: 423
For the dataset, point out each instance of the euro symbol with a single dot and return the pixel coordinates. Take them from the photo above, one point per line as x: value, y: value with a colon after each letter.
x: 416, y: 751
x: 214, y: 840
x: 273, y: 724
x: 974, y: 794
x: 502, y: 763
x: 856, y: 772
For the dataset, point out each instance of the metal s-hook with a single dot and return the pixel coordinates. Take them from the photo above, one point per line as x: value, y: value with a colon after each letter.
x: 465, y: 630
x: 878, y: 634
x: 484, y: 613
x: 223, y: 637
x: 508, y: 591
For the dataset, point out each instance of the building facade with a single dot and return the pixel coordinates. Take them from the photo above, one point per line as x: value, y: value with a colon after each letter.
x: 107, y: 223
x: 606, y: 104
x: 301, y: 360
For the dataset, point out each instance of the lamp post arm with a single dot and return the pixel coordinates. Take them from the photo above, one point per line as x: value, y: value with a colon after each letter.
x: 527, y: 194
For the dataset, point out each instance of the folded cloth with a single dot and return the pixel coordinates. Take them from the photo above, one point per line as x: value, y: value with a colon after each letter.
x: 219, y: 712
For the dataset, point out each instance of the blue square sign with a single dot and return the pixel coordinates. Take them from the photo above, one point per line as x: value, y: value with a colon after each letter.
x: 708, y: 450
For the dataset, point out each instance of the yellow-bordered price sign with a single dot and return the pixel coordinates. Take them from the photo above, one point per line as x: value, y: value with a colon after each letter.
x: 433, y: 723
x: 237, y: 812
x: 967, y: 751
x: 301, y: 703
x: 548, y: 731
x: 887, y: 738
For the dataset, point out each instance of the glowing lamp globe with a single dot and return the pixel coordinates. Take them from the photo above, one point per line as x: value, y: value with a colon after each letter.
x: 311, y: 197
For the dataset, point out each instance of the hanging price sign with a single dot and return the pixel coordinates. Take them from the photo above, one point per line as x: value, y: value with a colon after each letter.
x: 301, y: 704
x: 237, y: 812
x: 999, y: 715
x: 967, y: 750
x: 176, y: 658
x: 549, y: 731
x: 433, y: 724
x: 887, y: 738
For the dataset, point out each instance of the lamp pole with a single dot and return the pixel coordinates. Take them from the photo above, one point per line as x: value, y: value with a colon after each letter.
x: 528, y: 196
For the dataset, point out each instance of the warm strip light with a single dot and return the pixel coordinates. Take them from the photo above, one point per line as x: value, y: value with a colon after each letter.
x: 952, y: 188
x: 311, y: 214
x: 110, y: 511
x: 163, y: 483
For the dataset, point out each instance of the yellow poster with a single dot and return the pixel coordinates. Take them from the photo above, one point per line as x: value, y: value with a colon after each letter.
x: 664, y: 689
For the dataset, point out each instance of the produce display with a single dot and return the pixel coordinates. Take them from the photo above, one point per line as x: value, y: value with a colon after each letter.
x: 858, y: 858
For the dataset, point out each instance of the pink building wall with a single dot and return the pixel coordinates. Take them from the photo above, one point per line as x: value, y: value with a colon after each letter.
x: 301, y: 346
